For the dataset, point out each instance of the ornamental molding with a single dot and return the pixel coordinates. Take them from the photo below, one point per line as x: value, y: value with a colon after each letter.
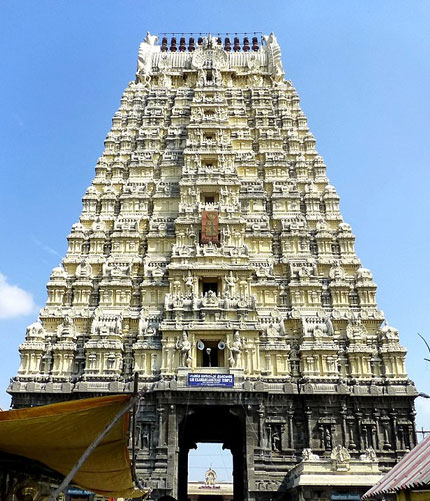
x: 209, y: 56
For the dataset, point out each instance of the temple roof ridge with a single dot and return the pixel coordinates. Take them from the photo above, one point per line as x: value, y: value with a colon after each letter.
x: 254, y: 52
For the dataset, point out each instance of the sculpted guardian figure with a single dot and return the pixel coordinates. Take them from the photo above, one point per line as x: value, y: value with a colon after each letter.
x: 184, y: 347
x: 235, y: 350
x: 230, y: 281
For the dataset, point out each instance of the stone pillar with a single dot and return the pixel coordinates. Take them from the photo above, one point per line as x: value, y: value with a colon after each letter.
x: 385, y: 425
x: 261, y: 428
x: 182, y: 478
x: 343, y: 413
x: 239, y: 476
x: 377, y: 430
x: 248, y: 361
x: 284, y: 437
x: 308, y: 416
x: 351, y: 426
x: 412, y: 436
x: 173, y: 451
x: 161, y: 440
x: 395, y: 437
x: 290, y: 415
x: 358, y: 416
x: 374, y: 435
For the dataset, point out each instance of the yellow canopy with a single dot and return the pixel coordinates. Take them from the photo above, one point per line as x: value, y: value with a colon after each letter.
x: 58, y: 434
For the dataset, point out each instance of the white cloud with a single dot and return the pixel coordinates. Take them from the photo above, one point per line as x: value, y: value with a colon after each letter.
x: 14, y: 301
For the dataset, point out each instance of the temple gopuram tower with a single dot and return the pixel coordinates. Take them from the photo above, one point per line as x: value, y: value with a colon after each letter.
x: 211, y: 258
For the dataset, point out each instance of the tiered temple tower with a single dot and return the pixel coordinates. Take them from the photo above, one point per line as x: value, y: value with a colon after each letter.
x: 212, y: 259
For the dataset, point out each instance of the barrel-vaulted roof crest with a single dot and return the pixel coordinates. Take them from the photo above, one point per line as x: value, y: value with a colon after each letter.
x: 221, y: 52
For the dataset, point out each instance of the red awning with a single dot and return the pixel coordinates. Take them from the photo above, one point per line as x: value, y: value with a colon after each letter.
x: 412, y: 472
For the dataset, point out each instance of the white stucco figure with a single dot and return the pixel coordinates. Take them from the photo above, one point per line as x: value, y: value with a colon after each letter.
x: 235, y: 351
x: 183, y: 345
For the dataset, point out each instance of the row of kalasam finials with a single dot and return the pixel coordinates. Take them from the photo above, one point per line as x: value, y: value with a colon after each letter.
x: 236, y: 47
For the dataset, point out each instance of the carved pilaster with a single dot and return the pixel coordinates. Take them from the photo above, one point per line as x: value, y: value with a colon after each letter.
x: 343, y: 414
x: 290, y: 416
x: 385, y: 427
x: 308, y: 421
x: 262, y: 440
x: 394, y: 428
x: 351, y: 424
x: 161, y: 427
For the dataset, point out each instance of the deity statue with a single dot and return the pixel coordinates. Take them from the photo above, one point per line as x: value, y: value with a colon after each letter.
x: 67, y: 327
x: 210, y: 297
x: 230, y: 281
x: 276, y: 440
x: 184, y: 347
x: 67, y: 322
x: 189, y: 282
x: 84, y: 269
x: 327, y: 439
x: 118, y: 324
x: 235, y: 350
x: 340, y: 454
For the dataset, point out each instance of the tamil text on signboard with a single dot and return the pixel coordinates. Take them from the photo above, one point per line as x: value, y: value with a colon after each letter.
x: 211, y: 380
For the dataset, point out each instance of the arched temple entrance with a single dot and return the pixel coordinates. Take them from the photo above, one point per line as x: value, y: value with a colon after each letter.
x: 216, y: 424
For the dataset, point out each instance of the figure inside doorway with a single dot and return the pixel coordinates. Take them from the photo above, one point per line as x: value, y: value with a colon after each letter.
x: 210, y: 477
x: 276, y: 440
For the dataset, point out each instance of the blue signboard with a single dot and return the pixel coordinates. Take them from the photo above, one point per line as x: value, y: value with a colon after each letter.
x: 345, y: 497
x: 211, y: 380
x: 75, y: 491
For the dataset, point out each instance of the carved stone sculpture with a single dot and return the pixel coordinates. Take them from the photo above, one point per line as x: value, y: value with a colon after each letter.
x: 183, y: 345
x: 308, y: 455
x: 340, y: 457
x: 235, y: 351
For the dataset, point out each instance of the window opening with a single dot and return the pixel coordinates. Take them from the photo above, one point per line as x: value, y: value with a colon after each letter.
x: 210, y: 354
x: 210, y: 286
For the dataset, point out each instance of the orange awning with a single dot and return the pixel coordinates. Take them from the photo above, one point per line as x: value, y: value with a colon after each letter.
x: 58, y: 434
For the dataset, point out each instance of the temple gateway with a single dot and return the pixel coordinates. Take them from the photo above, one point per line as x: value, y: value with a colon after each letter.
x: 211, y: 259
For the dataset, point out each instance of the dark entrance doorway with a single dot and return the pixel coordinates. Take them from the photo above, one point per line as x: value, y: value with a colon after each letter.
x: 210, y: 286
x: 216, y: 424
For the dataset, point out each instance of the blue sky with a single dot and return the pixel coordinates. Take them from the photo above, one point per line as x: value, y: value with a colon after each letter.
x: 362, y: 71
